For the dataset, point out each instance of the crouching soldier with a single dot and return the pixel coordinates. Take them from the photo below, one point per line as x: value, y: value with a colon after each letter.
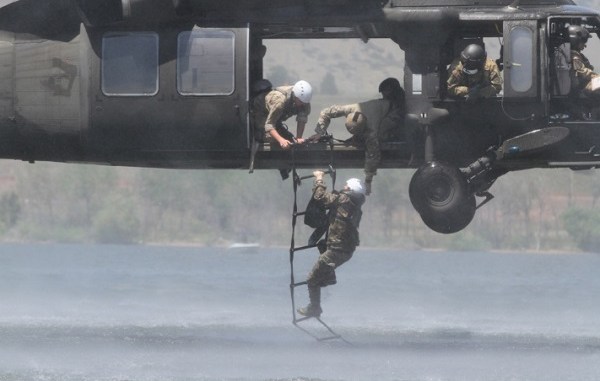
x: 370, y: 123
x: 474, y: 76
x: 272, y: 107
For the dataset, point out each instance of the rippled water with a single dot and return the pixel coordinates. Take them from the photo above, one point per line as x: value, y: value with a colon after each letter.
x: 84, y: 312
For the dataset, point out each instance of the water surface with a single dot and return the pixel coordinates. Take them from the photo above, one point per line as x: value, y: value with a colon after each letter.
x: 85, y: 312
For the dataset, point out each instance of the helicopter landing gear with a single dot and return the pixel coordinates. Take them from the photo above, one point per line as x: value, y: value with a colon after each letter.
x: 441, y: 195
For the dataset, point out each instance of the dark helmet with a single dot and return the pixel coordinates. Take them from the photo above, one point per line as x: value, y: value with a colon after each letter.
x: 473, y: 57
x: 390, y: 89
x: 389, y: 84
x: 578, y: 36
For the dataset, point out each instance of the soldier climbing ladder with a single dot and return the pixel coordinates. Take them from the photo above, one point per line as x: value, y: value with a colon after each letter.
x: 297, y: 180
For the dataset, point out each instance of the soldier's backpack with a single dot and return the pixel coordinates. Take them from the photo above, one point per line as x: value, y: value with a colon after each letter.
x: 317, y: 217
x: 316, y: 214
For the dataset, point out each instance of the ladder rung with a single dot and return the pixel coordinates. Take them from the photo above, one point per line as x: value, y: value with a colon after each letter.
x: 302, y: 319
x: 304, y: 247
x: 334, y: 337
x: 327, y: 172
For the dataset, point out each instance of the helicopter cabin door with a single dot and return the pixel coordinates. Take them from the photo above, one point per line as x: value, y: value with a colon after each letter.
x: 177, y: 94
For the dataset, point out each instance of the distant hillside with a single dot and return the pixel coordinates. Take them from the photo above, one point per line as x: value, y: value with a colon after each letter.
x: 356, y: 67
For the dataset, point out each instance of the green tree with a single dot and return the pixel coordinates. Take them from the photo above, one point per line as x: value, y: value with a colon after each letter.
x: 37, y: 188
x: 583, y: 226
x: 117, y: 222
x: 83, y: 190
x: 595, y: 188
x: 10, y: 210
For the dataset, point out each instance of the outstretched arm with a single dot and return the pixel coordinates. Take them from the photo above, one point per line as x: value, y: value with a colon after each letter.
x: 331, y: 112
x: 300, y: 131
x: 320, y: 190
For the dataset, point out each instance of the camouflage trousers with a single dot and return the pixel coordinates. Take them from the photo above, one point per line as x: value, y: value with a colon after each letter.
x: 323, y: 272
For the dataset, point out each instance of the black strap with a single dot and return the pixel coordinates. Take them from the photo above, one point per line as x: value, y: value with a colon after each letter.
x: 283, y: 131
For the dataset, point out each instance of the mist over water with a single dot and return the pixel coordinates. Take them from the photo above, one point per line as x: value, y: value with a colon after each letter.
x: 83, y: 312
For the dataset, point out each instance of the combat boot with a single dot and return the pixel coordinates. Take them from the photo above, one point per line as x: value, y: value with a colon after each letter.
x: 310, y: 311
x: 313, y: 309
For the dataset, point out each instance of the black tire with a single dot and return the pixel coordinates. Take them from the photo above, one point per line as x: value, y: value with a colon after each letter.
x: 439, y: 192
x: 449, y: 223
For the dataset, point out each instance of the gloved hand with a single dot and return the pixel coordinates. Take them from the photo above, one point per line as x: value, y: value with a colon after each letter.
x: 473, y: 93
x: 318, y: 175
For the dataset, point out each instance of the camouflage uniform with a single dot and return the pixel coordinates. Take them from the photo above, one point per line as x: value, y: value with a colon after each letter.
x: 273, y: 108
x: 374, y: 110
x: 344, y: 218
x: 489, y: 79
x: 584, y: 73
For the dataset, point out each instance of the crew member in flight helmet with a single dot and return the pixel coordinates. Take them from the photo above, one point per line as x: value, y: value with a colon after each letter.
x: 273, y: 106
x: 370, y: 123
x: 584, y: 71
x: 473, y: 75
x: 344, y: 219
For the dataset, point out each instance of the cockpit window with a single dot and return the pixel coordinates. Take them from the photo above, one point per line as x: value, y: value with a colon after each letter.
x: 205, y: 64
x: 130, y: 64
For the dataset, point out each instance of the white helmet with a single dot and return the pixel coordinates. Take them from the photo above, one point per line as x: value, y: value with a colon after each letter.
x: 303, y: 91
x: 355, y: 185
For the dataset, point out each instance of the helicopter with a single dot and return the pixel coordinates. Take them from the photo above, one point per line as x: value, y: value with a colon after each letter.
x: 168, y: 84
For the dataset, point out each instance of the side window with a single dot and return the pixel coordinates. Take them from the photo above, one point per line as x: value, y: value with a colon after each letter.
x: 205, y: 62
x: 130, y: 64
x: 521, y: 51
x: 521, y: 58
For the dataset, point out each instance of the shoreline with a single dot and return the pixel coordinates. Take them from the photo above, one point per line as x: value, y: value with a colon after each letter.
x: 257, y: 246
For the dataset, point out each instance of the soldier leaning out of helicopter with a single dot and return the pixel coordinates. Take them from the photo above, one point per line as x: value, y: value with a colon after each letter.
x: 473, y: 75
x: 271, y: 107
x: 370, y: 123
